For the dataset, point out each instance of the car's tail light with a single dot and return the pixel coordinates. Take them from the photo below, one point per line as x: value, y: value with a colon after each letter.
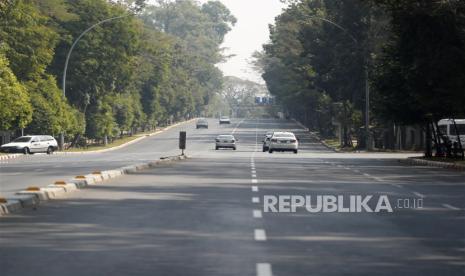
x: 274, y: 140
x: 217, y: 140
x: 293, y: 141
x: 232, y: 141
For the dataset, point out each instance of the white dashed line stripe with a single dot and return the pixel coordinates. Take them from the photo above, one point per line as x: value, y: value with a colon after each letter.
x: 367, y: 175
x: 254, y: 171
x: 254, y: 181
x: 255, y: 199
x: 264, y: 269
x: 397, y: 185
x: 257, y: 214
x: 254, y: 175
x: 356, y: 171
x: 377, y: 179
x: 260, y: 235
x: 448, y: 206
x: 254, y: 189
x: 418, y: 194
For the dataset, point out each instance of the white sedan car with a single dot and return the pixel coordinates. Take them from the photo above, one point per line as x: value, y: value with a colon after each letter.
x: 225, y: 141
x: 283, y: 141
x: 31, y: 145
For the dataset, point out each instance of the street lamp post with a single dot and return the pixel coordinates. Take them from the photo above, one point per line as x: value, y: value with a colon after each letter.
x: 62, y: 135
x: 367, y: 84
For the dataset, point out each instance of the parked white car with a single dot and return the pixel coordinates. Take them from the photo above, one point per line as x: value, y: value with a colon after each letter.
x: 225, y: 141
x: 283, y: 141
x: 31, y: 145
x: 447, y: 127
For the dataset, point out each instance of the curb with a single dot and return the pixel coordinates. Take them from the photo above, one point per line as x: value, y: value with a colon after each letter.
x: 32, y: 197
x: 416, y: 161
x: 10, y: 156
x: 127, y: 143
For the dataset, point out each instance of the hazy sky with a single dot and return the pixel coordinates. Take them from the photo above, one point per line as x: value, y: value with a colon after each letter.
x: 248, y: 35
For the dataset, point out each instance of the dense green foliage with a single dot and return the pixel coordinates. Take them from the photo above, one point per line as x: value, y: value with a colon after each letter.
x: 412, y: 51
x: 133, y: 72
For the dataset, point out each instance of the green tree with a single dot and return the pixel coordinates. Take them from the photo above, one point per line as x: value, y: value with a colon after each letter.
x: 15, y: 105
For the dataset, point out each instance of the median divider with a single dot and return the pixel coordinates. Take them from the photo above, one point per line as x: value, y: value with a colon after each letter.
x: 32, y: 196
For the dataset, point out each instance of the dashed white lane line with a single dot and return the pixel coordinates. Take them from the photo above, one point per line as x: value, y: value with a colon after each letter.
x: 264, y: 269
x: 347, y: 168
x: 254, y: 189
x: 260, y: 235
x: 254, y: 171
x: 418, y: 194
x: 38, y: 170
x: 397, y: 185
x: 448, y: 206
x: 254, y: 181
x: 238, y: 124
x: 255, y: 199
x: 257, y: 214
x: 254, y: 175
x: 357, y: 171
x: 367, y: 175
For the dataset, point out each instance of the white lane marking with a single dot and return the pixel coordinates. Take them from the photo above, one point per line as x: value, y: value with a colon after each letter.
x: 39, y: 170
x: 254, y: 181
x: 448, y: 206
x: 257, y: 214
x: 254, y: 175
x: 367, y: 175
x: 254, y: 189
x: 418, y: 194
x: 260, y: 235
x: 264, y: 269
x: 397, y: 185
x: 255, y: 199
x: 238, y: 124
x: 254, y: 171
x: 5, y: 174
x: 377, y: 179
x: 347, y: 168
x: 357, y: 171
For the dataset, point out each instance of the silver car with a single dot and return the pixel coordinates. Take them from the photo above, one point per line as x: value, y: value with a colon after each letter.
x: 283, y: 141
x: 225, y: 141
x: 201, y: 123
x: 266, y: 140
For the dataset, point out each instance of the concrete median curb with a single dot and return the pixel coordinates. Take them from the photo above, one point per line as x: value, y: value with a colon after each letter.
x: 127, y: 143
x: 422, y: 162
x: 10, y: 156
x: 33, y: 196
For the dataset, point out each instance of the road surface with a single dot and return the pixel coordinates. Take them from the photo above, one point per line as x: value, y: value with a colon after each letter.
x: 205, y: 215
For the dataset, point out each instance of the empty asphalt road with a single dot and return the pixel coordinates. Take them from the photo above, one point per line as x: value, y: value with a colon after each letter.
x: 206, y: 216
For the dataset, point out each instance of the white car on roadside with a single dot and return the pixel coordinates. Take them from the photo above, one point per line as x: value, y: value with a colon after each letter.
x: 283, y: 141
x: 31, y: 144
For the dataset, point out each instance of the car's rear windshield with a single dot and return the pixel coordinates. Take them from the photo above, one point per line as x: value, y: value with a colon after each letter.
x: 224, y: 117
x: 22, y: 139
x: 226, y: 137
x: 284, y: 135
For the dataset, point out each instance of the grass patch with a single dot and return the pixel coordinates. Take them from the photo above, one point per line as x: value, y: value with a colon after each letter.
x: 115, y: 143
x: 447, y: 160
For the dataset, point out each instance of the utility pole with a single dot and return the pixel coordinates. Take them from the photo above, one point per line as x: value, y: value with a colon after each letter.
x: 62, y: 134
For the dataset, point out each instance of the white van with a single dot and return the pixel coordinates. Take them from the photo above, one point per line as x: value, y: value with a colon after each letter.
x: 31, y: 145
x: 446, y: 127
